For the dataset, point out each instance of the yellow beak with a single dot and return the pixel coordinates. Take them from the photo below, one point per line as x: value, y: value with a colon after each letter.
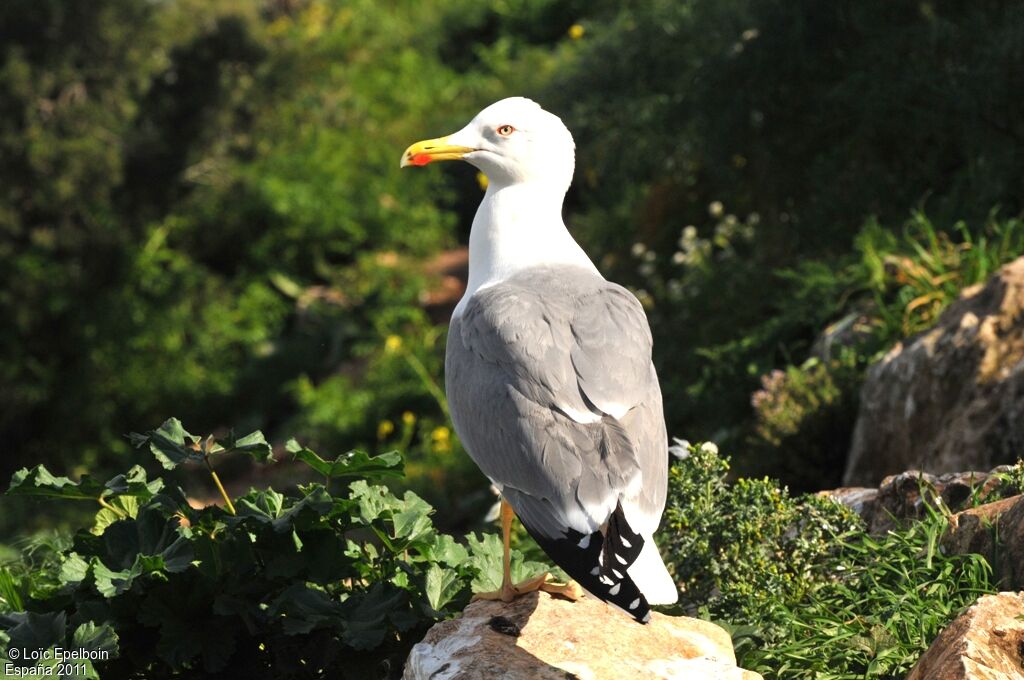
x: 429, y: 150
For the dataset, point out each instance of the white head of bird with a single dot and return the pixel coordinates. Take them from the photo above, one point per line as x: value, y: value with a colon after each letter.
x: 528, y: 156
x: 512, y: 141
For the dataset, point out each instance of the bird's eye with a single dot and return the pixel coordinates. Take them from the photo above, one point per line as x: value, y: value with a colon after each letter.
x: 506, y: 130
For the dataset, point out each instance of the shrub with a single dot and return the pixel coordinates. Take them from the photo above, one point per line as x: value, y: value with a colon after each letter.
x: 806, y: 592
x: 736, y: 549
x: 338, y: 579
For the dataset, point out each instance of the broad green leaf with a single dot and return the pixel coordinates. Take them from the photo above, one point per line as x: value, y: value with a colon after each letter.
x: 413, y: 522
x: 302, y: 609
x: 308, y: 511
x: 96, y: 638
x: 446, y: 550
x: 124, y: 506
x: 135, y: 484
x: 351, y: 464
x: 170, y: 444
x: 151, y: 535
x: 372, y: 500
x: 265, y: 505
x: 253, y: 444
x: 366, y: 616
x: 487, y: 555
x: 398, y: 522
x: 111, y: 582
x: 73, y: 569
x: 38, y: 481
x: 33, y: 630
x: 441, y: 586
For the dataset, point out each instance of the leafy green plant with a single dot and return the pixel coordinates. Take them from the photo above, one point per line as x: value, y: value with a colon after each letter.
x: 337, y: 579
x: 736, y: 549
x: 806, y: 592
x: 885, y: 600
x: 1012, y: 480
x: 914, y: 276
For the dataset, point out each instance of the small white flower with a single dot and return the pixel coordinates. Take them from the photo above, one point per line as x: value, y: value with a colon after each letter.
x: 709, y: 447
x: 716, y: 209
x: 638, y: 249
x: 681, y: 449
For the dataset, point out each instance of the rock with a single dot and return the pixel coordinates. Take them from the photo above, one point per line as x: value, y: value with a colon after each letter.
x: 952, y: 397
x: 899, y: 497
x: 541, y: 637
x: 995, y: 531
x: 985, y: 643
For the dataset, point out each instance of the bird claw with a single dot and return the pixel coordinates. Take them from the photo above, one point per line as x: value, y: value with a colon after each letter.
x: 508, y: 592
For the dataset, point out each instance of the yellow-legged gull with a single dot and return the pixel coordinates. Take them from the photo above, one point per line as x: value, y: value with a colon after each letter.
x: 548, y: 369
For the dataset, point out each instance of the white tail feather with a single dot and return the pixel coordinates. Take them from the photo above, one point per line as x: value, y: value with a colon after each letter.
x: 651, y: 576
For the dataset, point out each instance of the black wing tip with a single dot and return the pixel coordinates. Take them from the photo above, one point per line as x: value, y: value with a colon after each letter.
x: 599, y: 563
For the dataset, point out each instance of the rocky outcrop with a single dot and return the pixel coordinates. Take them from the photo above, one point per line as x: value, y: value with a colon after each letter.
x: 542, y: 637
x: 995, y: 531
x: 906, y: 496
x: 950, y: 398
x: 985, y: 643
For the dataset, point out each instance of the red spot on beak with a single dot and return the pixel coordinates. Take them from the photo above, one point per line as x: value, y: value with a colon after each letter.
x: 421, y: 159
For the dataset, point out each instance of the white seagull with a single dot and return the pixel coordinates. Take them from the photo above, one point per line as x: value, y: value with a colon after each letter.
x: 548, y: 370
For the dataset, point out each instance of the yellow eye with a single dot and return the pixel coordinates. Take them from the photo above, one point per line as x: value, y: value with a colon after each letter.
x: 506, y: 130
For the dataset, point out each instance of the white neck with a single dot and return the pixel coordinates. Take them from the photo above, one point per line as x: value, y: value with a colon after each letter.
x: 516, y: 227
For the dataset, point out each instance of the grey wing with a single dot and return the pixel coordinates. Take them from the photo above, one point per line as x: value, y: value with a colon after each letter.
x: 612, y: 360
x: 553, y: 393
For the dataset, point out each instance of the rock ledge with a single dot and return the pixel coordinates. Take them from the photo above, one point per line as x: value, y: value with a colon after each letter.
x: 539, y: 636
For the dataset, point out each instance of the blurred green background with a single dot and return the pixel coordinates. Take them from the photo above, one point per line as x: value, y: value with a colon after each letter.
x: 202, y: 215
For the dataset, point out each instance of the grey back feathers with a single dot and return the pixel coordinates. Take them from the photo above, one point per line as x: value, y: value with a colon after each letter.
x: 553, y: 393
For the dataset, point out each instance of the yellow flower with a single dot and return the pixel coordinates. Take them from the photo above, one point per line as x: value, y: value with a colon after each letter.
x: 409, y: 418
x: 384, y: 428
x: 482, y: 180
x: 441, y: 437
x: 576, y: 31
x: 392, y: 344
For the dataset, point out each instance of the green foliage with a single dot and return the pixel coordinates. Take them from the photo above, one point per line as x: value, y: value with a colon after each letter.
x: 737, y: 148
x: 803, y: 418
x: 1013, y: 479
x: 202, y: 208
x: 740, y: 548
x: 914, y: 276
x: 806, y: 592
x: 271, y: 585
x: 887, y: 599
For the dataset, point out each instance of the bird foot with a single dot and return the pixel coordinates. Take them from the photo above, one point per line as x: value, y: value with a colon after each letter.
x: 508, y: 592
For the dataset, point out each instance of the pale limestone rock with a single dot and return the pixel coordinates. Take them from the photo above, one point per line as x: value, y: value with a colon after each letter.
x: 908, y: 495
x: 985, y: 643
x: 995, y: 531
x: 541, y: 637
x: 952, y: 397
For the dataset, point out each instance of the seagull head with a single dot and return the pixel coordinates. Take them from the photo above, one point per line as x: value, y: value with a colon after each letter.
x: 512, y: 141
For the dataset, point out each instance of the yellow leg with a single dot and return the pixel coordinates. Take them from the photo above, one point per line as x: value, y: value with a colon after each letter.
x: 508, y: 591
